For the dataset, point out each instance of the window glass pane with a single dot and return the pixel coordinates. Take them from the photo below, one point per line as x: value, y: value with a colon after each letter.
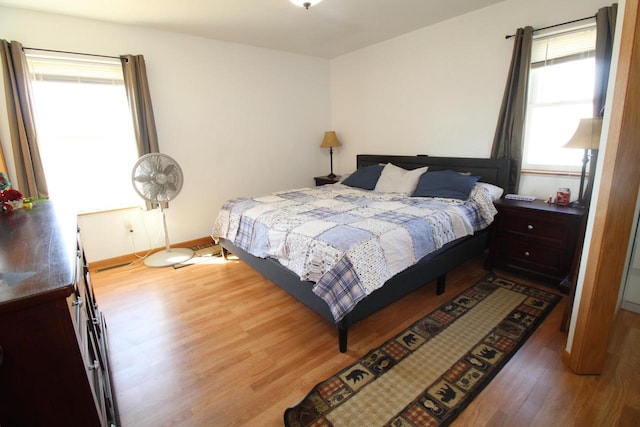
x: 560, y: 94
x: 86, y: 138
x: 550, y: 128
x: 564, y: 82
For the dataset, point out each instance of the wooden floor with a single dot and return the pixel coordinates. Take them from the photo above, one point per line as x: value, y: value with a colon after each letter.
x: 219, y: 345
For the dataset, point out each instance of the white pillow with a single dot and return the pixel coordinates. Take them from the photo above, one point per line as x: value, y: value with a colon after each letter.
x: 345, y: 176
x: 394, y: 179
x: 494, y: 191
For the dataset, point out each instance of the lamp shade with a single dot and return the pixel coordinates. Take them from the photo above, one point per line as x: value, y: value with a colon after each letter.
x: 330, y: 140
x: 587, y: 135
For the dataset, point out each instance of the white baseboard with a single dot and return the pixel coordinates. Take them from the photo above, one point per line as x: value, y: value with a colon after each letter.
x: 630, y: 306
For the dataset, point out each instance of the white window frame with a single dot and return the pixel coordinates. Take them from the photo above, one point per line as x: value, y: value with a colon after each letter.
x: 95, y: 138
x: 556, y: 54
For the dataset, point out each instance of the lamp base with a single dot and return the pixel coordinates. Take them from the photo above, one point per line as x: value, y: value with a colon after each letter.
x: 332, y: 175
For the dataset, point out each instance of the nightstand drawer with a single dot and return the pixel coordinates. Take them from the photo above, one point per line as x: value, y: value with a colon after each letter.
x: 526, y: 255
x: 544, y: 229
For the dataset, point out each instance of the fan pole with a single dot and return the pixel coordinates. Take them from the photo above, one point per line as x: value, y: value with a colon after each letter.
x: 168, y: 256
x: 164, y: 226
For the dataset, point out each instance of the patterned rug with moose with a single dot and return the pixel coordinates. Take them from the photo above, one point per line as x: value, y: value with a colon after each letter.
x: 427, y: 374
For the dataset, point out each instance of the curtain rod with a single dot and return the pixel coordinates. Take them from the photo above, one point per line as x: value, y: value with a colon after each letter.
x: 556, y: 25
x: 73, y: 53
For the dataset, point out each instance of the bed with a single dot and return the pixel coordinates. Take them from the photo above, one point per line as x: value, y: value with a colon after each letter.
x: 454, y: 246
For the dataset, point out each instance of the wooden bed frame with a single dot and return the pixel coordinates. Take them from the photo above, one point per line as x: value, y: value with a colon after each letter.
x: 432, y: 267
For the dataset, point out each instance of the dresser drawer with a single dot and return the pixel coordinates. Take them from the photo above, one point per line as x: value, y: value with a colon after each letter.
x: 550, y: 230
x: 527, y: 255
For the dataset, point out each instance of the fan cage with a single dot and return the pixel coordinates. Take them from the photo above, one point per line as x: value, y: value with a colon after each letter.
x: 157, y: 177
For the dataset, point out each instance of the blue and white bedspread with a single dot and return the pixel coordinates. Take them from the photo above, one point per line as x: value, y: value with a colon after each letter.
x: 347, y: 240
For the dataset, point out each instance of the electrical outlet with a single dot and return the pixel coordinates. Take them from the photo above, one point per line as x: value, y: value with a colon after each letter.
x: 130, y: 230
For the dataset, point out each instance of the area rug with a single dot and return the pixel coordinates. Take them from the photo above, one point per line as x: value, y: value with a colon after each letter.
x: 429, y: 373
x: 204, y: 254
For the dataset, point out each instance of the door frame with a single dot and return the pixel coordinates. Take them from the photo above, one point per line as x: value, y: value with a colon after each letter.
x: 613, y: 212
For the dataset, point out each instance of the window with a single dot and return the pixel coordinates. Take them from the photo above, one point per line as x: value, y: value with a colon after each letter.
x: 561, y: 88
x: 85, y: 130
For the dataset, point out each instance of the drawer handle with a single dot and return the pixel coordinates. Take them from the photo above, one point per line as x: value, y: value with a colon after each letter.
x: 526, y: 253
x: 94, y: 365
x: 529, y: 227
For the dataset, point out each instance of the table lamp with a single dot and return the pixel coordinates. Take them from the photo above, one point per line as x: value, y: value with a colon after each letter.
x: 587, y: 138
x: 330, y: 140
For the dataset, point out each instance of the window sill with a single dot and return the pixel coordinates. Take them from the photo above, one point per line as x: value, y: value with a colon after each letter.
x: 549, y: 173
x: 104, y: 211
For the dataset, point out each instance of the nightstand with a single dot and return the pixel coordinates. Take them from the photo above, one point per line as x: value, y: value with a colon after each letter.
x: 322, y: 180
x: 535, y: 239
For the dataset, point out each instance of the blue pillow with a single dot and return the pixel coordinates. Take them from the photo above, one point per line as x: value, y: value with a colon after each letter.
x: 447, y: 184
x: 365, y: 178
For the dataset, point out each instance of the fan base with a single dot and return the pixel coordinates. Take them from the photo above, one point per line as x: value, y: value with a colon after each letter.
x: 169, y: 257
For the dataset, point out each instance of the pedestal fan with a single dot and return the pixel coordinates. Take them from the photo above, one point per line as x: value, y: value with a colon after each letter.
x: 157, y: 178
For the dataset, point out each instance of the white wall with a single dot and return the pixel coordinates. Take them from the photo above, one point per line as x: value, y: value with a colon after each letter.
x: 438, y: 90
x: 240, y: 120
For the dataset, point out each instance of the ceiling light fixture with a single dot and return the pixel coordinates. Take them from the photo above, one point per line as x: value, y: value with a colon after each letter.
x: 305, y: 3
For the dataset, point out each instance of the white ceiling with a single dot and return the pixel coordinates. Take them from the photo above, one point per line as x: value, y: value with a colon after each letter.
x: 328, y: 29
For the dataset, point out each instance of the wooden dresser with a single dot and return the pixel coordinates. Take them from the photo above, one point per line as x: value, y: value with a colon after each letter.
x: 54, y: 366
x: 535, y: 238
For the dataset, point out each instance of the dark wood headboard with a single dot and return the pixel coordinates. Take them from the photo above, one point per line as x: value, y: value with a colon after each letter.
x: 493, y: 171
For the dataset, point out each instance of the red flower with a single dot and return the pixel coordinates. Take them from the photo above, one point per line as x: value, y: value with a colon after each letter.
x: 10, y: 194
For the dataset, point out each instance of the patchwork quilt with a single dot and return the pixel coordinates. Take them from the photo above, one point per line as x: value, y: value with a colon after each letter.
x: 346, y: 240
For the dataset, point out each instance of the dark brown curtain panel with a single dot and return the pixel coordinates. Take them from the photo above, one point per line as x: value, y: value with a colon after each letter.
x: 29, y: 179
x: 144, y: 124
x: 605, y: 29
x: 508, y: 139
x: 137, y: 86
